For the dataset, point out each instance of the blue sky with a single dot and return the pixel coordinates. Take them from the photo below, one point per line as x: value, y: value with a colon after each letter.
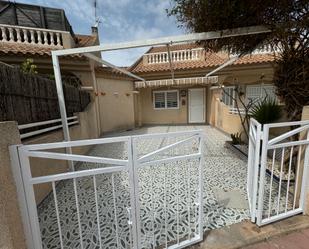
x: 121, y: 20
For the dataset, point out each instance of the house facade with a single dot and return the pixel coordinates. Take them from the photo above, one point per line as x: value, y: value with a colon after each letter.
x: 180, y: 93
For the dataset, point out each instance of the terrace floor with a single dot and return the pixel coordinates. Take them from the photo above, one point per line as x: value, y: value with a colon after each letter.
x: 224, y: 194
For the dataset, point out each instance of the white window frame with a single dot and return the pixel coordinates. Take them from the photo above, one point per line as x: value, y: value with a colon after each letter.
x: 165, y: 100
x: 261, y: 89
x: 233, y: 98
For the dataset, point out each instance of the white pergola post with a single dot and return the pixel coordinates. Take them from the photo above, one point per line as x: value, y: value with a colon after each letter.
x: 61, y: 102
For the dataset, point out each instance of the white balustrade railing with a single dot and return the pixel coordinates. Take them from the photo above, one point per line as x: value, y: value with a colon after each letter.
x: 234, y: 110
x: 265, y: 49
x: 179, y: 55
x: 27, y: 35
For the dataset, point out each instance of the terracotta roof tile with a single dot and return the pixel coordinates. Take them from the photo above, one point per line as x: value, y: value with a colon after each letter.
x: 103, y: 69
x: 86, y: 40
x: 255, y: 59
x: 41, y: 50
x: 21, y: 48
x: 211, y: 60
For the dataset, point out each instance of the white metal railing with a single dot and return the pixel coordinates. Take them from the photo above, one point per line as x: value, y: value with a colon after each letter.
x: 234, y: 110
x: 55, y: 125
x: 265, y: 49
x: 27, y: 35
x: 131, y: 167
x: 176, y: 56
x: 280, y: 190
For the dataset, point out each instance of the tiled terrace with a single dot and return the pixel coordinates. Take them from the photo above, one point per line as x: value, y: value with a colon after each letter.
x: 225, y: 199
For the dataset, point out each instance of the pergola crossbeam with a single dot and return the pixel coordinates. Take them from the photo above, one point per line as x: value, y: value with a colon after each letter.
x: 225, y: 64
x: 106, y: 63
x: 166, y: 40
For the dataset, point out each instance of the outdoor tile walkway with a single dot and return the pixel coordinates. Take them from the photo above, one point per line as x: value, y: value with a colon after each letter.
x: 163, y: 190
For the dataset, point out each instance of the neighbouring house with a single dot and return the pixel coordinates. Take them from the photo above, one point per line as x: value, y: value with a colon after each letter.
x: 191, y: 97
x: 30, y: 31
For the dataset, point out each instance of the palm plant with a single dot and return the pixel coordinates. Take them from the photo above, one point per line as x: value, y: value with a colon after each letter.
x: 266, y: 111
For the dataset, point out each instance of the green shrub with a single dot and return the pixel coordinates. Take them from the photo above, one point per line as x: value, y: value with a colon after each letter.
x: 266, y: 111
x: 236, y: 138
x: 28, y: 67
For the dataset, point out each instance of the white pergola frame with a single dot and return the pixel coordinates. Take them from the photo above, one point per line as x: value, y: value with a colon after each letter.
x: 86, y: 51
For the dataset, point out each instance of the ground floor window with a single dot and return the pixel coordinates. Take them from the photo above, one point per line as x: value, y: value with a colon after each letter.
x: 228, y: 96
x: 166, y: 99
x: 254, y: 93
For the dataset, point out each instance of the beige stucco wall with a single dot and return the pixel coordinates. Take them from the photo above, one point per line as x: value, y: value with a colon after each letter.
x: 116, y: 104
x: 305, y: 116
x: 11, y: 228
x: 164, y: 116
x: 219, y: 116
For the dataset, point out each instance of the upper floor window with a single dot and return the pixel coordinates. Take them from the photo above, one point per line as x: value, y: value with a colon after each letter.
x: 228, y: 96
x: 166, y: 99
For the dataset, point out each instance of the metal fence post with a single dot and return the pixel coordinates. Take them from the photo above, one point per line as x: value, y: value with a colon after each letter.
x: 259, y: 212
x: 134, y: 194
x: 200, y: 186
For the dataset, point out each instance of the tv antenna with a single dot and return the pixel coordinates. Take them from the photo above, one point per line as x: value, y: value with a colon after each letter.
x: 97, y: 20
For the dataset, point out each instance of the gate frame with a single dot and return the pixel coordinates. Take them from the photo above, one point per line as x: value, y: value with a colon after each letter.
x: 255, y: 133
x: 21, y: 154
x: 260, y: 167
x: 146, y: 160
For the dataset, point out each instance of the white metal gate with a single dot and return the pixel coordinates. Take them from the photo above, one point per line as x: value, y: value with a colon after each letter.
x: 137, y: 222
x: 277, y: 170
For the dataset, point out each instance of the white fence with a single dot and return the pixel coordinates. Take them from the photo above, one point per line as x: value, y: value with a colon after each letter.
x: 129, y: 219
x: 277, y: 170
x: 53, y: 125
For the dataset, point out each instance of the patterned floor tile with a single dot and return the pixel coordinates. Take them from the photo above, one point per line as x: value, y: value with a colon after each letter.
x: 167, y: 195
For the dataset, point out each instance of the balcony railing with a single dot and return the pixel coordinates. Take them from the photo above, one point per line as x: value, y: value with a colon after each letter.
x: 27, y: 35
x: 265, y: 49
x: 176, y: 56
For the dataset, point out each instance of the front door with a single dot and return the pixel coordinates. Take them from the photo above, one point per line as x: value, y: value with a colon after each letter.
x: 197, y: 105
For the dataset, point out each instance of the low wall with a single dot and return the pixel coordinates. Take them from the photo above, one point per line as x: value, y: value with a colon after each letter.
x: 11, y: 228
x: 229, y: 123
